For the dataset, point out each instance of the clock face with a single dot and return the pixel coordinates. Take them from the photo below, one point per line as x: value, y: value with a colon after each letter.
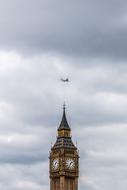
x: 55, y: 164
x: 70, y: 163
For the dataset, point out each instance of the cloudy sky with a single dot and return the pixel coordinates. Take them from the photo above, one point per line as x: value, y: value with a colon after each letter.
x: 40, y: 42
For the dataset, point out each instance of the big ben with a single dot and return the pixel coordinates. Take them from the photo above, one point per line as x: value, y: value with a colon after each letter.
x: 64, y: 159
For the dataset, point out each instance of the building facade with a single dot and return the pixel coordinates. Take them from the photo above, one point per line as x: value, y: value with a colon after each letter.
x: 64, y: 159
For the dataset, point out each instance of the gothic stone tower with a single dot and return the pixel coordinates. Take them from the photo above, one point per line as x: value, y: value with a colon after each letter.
x: 64, y: 160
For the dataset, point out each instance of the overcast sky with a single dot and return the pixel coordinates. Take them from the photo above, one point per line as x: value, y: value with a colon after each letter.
x: 40, y: 42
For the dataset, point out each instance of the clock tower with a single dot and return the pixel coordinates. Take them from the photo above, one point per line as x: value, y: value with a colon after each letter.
x: 64, y: 159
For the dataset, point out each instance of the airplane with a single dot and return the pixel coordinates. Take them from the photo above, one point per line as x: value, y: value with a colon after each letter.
x: 65, y: 80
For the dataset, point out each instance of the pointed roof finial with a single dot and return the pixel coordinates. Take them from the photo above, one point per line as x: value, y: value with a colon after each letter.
x: 64, y: 123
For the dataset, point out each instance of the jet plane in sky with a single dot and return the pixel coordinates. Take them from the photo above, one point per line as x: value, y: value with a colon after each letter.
x: 65, y: 80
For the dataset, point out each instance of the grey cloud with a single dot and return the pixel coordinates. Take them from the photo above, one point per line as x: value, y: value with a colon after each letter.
x: 110, y: 169
x: 82, y: 28
x: 23, y: 158
x: 22, y: 148
x: 29, y: 93
x: 23, y: 177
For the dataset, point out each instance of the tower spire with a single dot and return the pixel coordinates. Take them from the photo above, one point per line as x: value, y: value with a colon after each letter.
x: 64, y: 124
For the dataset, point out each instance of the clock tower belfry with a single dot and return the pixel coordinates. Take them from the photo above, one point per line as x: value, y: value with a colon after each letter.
x: 64, y: 159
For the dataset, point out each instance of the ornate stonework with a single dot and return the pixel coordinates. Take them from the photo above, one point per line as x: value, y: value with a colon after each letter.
x: 64, y: 160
